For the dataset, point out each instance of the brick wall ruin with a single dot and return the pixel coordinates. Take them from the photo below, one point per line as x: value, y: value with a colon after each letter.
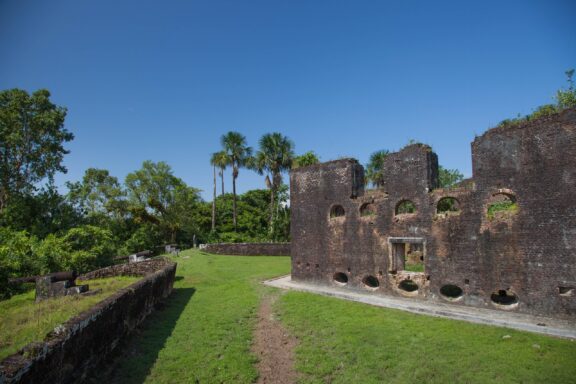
x: 78, y: 346
x: 249, y: 249
x: 504, y: 239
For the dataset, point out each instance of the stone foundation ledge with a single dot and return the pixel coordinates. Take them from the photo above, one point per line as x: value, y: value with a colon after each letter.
x: 248, y: 249
x: 70, y: 352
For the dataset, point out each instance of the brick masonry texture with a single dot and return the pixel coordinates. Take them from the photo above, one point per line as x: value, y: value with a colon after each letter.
x: 249, y: 249
x: 522, y: 260
x: 75, y: 348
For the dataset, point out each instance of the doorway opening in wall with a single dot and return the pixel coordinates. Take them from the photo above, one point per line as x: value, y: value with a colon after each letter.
x: 407, y: 254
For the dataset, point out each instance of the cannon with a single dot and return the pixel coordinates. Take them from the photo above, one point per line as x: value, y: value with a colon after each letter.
x: 55, y: 276
x: 53, y: 284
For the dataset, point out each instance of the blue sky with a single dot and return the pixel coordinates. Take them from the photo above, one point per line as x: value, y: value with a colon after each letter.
x: 164, y: 80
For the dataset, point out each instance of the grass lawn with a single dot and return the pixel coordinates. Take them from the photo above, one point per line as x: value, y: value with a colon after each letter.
x: 203, y: 335
x: 22, y: 321
x: 346, y: 342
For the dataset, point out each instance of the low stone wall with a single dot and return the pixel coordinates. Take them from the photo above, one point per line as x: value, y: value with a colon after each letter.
x: 249, y: 249
x: 73, y: 349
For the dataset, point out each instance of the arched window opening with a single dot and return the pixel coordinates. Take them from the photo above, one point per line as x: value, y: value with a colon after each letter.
x: 404, y: 207
x: 451, y: 292
x: 337, y: 211
x: 566, y: 291
x: 340, y: 278
x: 367, y: 209
x: 501, y: 205
x: 370, y: 282
x: 504, y: 297
x: 448, y: 206
x: 408, y: 286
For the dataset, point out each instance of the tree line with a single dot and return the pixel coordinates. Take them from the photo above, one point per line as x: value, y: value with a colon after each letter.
x: 99, y: 217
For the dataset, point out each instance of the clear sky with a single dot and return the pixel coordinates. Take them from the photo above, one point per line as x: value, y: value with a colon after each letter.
x: 163, y: 80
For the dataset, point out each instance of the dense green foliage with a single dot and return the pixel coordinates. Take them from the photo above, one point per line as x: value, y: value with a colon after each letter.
x: 449, y: 177
x: 374, y: 168
x: 237, y: 155
x: 32, y: 135
x: 274, y: 156
x: 306, y: 159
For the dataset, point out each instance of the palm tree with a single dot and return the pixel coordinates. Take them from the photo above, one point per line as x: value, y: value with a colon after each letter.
x: 274, y: 156
x: 237, y: 154
x: 220, y: 160
x: 309, y: 158
x: 374, y: 168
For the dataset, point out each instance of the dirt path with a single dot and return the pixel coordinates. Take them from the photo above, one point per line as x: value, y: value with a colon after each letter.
x: 274, y: 347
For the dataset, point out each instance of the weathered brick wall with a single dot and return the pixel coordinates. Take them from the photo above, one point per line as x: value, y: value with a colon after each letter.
x: 530, y: 253
x: 79, y: 345
x: 249, y: 249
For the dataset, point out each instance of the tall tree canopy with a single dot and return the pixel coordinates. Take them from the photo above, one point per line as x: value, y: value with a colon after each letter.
x: 274, y: 156
x: 374, y: 167
x: 220, y: 161
x: 308, y: 158
x: 32, y: 137
x: 448, y: 177
x: 238, y: 153
x: 158, y: 197
x: 97, y: 193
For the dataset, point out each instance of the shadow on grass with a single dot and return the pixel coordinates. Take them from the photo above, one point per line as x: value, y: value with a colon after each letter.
x: 137, y: 356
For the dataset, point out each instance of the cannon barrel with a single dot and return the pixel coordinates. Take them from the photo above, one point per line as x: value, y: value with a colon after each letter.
x: 56, y: 276
x: 62, y: 276
x: 21, y: 280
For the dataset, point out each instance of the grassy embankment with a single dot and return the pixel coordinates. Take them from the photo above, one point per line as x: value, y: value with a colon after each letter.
x: 204, y: 334
x: 22, y: 321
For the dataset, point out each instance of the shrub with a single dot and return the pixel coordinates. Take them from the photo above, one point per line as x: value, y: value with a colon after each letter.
x: 90, y: 247
x: 146, y: 237
x: 54, y: 254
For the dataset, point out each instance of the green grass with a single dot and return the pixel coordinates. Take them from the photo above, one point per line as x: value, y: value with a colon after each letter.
x: 204, y: 333
x: 23, y: 321
x: 414, y: 267
x: 345, y: 342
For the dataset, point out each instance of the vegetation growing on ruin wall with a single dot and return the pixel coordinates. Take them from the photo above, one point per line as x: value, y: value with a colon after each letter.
x: 24, y: 321
x: 564, y: 99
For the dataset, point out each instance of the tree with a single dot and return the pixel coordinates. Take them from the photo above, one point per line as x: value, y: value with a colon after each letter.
x: 237, y: 154
x: 448, y: 177
x: 97, y: 194
x: 567, y: 98
x: 40, y: 214
x: 220, y: 160
x: 308, y: 158
x: 158, y: 197
x: 32, y: 135
x: 374, y: 168
x: 274, y: 156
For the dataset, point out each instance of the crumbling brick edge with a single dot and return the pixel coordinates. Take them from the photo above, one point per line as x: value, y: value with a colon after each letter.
x: 249, y: 249
x: 70, y: 352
